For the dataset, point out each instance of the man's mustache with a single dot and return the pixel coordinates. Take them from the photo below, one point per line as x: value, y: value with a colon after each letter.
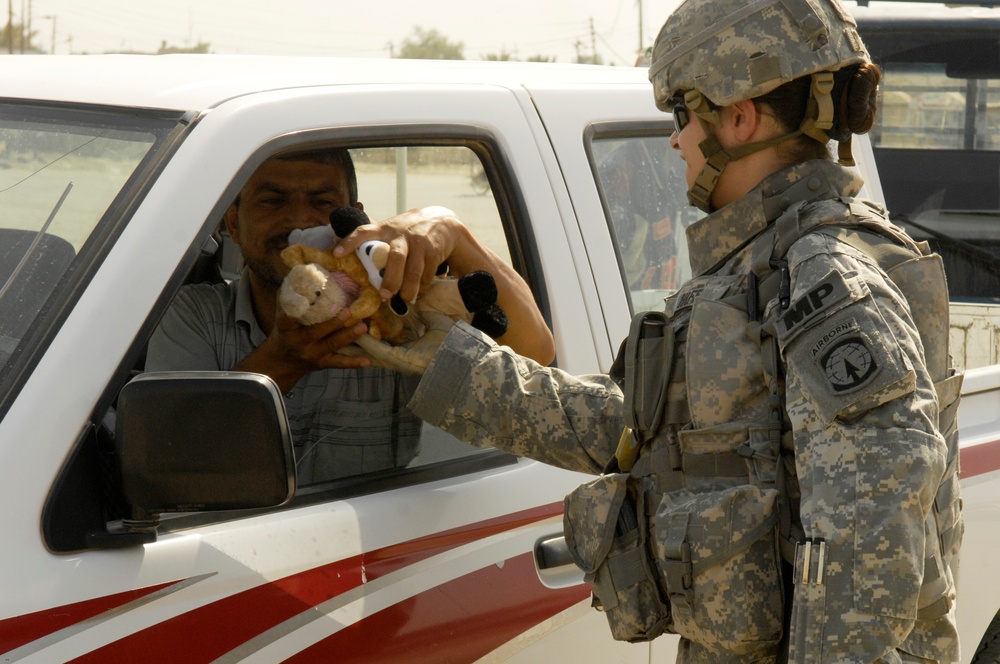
x: 276, y: 243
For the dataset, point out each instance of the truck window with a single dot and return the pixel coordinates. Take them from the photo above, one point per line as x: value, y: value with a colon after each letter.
x: 60, y: 172
x: 641, y: 182
x: 364, y: 440
x: 395, y: 179
x: 929, y: 106
x: 355, y: 424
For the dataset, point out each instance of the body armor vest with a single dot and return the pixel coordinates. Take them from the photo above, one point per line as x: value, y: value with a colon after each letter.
x: 719, y: 429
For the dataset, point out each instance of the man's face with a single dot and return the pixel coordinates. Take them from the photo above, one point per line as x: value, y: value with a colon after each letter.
x: 278, y: 198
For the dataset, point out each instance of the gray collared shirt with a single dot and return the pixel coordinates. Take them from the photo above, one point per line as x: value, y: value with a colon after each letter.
x: 343, y: 421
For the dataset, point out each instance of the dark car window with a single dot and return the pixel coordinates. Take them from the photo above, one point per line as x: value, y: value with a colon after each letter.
x: 937, y: 138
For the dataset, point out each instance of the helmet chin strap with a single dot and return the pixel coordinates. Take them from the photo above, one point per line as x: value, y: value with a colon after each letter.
x: 819, y: 118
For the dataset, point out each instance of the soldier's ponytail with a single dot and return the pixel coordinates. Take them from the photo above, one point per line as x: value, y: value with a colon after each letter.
x: 858, y: 93
x: 855, y: 101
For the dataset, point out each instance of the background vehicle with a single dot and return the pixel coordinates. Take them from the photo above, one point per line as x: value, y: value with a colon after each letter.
x: 937, y: 146
x: 114, y: 174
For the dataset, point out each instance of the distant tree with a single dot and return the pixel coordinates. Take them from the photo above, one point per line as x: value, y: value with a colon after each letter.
x: 541, y: 58
x: 430, y: 45
x: 200, y: 47
x: 502, y: 56
x: 14, y: 39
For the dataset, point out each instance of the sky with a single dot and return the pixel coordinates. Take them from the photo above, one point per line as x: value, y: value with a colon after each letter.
x: 363, y: 28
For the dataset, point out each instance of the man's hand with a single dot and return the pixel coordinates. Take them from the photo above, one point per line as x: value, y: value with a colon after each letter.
x: 292, y: 349
x: 420, y: 240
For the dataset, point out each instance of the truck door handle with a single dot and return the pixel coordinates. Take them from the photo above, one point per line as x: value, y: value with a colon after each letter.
x: 554, y: 564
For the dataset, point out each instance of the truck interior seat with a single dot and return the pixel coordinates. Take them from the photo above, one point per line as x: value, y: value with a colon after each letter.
x: 31, y: 265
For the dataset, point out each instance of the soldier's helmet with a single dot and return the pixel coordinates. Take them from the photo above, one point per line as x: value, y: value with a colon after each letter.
x: 729, y: 50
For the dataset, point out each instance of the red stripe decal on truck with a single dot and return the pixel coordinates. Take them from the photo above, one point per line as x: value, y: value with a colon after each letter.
x: 15, y: 632
x: 459, y: 621
x: 980, y: 459
x: 211, y: 631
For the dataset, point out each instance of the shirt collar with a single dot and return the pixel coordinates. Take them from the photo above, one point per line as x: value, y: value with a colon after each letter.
x: 716, y: 237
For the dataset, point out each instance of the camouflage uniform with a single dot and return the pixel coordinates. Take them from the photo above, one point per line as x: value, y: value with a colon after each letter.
x: 862, y: 459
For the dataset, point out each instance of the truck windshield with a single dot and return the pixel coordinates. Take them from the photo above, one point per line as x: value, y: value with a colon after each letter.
x: 61, y: 172
x: 937, y: 139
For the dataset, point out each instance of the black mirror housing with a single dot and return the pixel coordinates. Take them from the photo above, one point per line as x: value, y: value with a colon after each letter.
x: 200, y: 441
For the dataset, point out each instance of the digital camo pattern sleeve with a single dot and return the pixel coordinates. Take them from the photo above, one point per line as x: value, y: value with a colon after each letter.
x: 489, y: 396
x: 869, y: 459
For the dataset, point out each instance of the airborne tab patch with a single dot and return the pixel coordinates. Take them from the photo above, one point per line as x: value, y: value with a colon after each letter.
x: 848, y: 361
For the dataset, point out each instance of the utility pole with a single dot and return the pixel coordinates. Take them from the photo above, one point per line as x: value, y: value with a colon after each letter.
x: 10, y: 26
x: 593, y: 42
x: 640, y: 28
x: 52, y: 17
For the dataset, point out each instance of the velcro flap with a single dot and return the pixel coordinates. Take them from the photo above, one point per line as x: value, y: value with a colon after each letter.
x: 590, y: 517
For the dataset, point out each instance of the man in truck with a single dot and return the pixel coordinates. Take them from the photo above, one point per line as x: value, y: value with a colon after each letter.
x: 346, y: 417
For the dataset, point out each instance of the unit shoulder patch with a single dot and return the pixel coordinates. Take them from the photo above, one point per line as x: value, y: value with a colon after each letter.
x: 847, y: 362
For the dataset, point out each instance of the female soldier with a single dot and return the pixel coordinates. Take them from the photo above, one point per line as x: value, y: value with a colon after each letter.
x: 795, y: 492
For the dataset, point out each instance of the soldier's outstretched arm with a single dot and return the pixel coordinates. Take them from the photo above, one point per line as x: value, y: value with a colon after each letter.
x: 487, y: 395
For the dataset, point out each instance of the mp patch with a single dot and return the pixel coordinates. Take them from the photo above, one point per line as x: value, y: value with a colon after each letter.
x: 848, y: 362
x: 819, y: 302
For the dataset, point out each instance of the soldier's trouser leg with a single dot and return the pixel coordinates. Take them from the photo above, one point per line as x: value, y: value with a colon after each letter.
x: 689, y: 652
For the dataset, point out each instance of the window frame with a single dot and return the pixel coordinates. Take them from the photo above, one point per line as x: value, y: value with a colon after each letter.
x: 512, y: 212
x: 618, y: 130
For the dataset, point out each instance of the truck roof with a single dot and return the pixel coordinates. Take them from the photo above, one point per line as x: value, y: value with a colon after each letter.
x: 198, y: 82
x: 884, y: 15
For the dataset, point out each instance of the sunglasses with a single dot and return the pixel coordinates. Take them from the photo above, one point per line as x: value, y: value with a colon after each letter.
x: 681, y: 116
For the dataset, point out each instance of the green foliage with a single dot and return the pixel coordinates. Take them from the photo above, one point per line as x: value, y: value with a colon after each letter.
x: 502, y: 56
x: 430, y: 45
x: 18, y: 33
x: 200, y: 47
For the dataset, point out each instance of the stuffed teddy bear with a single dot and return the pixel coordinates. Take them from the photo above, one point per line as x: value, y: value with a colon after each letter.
x: 319, y: 285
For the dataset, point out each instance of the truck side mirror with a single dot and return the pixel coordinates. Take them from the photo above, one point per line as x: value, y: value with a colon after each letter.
x: 199, y: 441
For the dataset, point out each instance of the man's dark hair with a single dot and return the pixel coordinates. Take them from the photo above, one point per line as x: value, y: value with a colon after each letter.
x: 331, y: 157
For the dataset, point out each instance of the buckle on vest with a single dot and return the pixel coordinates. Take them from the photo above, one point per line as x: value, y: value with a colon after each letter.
x: 679, y: 574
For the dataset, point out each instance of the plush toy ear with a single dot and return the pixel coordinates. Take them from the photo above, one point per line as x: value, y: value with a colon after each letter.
x: 492, y: 321
x: 479, y: 295
x: 345, y: 219
x: 478, y: 290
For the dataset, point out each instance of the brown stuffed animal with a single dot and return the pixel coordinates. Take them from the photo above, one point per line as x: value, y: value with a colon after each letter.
x: 320, y: 285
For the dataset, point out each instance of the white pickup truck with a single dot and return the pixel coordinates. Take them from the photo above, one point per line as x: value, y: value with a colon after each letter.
x: 155, y: 524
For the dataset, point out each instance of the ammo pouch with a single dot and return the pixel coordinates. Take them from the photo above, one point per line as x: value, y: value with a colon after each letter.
x: 608, y: 539
x: 719, y: 560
